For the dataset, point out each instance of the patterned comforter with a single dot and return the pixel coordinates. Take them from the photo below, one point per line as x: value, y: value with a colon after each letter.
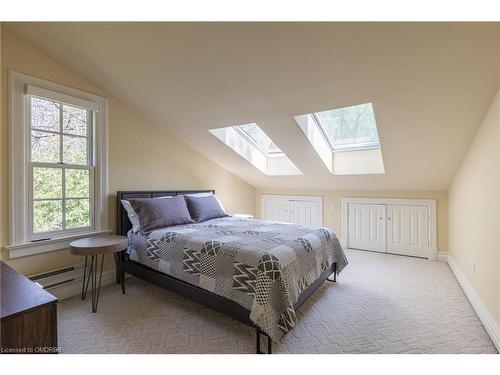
x: 262, y: 265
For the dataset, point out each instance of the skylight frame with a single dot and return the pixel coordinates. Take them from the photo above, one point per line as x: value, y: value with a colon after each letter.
x: 270, y: 164
x: 347, y: 147
x: 254, y: 142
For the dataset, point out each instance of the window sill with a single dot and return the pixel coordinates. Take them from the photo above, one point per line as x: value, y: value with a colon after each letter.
x: 32, y: 248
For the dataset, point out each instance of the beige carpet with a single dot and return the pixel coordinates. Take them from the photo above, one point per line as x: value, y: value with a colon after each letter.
x: 380, y: 304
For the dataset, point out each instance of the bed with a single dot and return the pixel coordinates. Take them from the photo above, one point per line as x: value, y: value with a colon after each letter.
x: 255, y: 271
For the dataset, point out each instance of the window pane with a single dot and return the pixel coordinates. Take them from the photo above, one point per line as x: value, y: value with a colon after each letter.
x: 77, y: 213
x: 45, y: 114
x: 47, y: 216
x: 44, y: 147
x: 257, y: 135
x: 75, y: 150
x: 47, y: 183
x: 77, y: 183
x: 350, y: 126
x: 74, y: 120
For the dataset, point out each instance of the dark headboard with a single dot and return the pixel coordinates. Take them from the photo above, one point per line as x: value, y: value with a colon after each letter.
x: 123, y: 224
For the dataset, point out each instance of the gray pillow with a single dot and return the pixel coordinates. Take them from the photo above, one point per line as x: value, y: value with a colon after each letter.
x: 159, y: 213
x: 204, y: 208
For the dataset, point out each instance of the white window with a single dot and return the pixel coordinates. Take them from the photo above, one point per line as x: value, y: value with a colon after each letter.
x: 258, y: 138
x: 58, y: 165
x: 349, y: 128
x: 346, y: 139
x: 252, y: 143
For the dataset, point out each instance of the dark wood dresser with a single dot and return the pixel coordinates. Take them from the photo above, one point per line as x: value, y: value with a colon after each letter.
x: 28, y: 315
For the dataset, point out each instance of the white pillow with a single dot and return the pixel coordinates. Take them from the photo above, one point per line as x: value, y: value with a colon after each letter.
x: 200, y: 194
x: 132, y: 216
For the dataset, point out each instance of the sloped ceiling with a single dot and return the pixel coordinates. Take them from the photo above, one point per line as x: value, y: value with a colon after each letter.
x: 430, y: 84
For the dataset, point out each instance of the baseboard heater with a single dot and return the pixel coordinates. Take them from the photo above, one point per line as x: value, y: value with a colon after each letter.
x: 58, y: 277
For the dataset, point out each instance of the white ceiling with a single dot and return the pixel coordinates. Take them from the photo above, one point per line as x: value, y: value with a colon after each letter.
x: 430, y: 85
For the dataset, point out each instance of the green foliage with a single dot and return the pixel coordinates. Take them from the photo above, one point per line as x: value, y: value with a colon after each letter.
x: 77, y: 213
x: 77, y: 183
x: 47, y: 216
x: 47, y: 183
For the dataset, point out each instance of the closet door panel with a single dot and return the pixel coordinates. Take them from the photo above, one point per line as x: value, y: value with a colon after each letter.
x: 305, y: 213
x: 366, y: 226
x: 277, y: 210
x: 408, y: 230
x: 303, y: 210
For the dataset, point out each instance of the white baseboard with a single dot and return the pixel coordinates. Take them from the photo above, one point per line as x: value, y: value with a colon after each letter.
x: 75, y: 288
x: 442, y: 256
x: 489, y: 322
x: 434, y: 254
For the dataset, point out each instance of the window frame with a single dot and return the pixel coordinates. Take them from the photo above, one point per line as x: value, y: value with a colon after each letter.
x: 256, y: 144
x: 89, y: 166
x: 268, y: 164
x: 22, y: 240
x: 347, y: 147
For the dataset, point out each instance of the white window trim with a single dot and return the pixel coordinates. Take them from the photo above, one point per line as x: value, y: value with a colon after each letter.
x: 18, y: 242
x: 276, y: 165
x: 252, y: 140
x: 342, y: 148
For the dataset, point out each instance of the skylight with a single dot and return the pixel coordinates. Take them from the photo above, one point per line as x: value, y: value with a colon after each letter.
x: 256, y: 135
x: 351, y: 127
x: 250, y: 142
x: 345, y: 139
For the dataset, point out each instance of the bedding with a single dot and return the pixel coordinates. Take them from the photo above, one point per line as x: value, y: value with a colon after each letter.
x: 262, y: 265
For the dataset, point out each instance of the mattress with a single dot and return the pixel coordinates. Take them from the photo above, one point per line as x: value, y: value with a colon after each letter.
x: 262, y: 265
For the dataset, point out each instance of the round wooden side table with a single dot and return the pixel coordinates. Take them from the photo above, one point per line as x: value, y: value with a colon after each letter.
x: 93, y: 247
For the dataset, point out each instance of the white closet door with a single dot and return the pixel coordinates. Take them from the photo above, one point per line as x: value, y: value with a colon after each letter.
x: 305, y: 212
x: 367, y: 226
x: 408, y: 230
x: 276, y: 210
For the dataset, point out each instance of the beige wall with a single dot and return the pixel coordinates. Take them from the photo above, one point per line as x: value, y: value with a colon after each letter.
x: 332, y: 209
x: 141, y: 155
x: 474, y: 211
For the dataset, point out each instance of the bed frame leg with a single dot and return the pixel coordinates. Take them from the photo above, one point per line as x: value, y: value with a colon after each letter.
x: 269, y: 343
x: 334, y: 274
x: 120, y: 272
